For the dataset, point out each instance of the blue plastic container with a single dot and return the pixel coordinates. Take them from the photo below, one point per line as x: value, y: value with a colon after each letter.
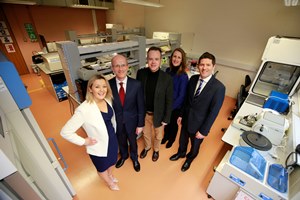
x: 278, y: 177
x: 249, y: 160
x: 277, y: 101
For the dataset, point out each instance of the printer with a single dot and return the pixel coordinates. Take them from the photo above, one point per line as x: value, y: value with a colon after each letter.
x: 52, y: 61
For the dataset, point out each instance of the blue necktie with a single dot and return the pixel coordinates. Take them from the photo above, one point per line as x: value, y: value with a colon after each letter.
x: 198, y: 89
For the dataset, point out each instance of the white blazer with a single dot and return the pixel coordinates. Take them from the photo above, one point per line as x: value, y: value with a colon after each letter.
x: 88, y: 116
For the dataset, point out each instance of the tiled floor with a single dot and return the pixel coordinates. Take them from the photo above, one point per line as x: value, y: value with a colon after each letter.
x: 156, y: 180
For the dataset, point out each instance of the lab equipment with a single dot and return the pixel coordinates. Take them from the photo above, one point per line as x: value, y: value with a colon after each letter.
x: 271, y: 125
x: 52, y: 61
x: 277, y: 101
x: 268, y: 123
x: 279, y: 70
x: 28, y: 149
x: 86, y: 72
x: 166, y: 36
x: 255, y: 140
x: 278, y: 177
x: 250, y: 161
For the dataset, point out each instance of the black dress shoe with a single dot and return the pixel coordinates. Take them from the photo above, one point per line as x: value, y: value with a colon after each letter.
x: 188, y: 155
x: 144, y: 153
x: 120, y: 162
x: 169, y: 144
x: 185, y: 166
x: 155, y: 156
x: 136, y: 166
x: 176, y: 156
x: 163, y: 141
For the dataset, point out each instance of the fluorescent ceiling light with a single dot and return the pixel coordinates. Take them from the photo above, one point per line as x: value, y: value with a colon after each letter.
x: 143, y: 3
x: 295, y: 2
x: 19, y: 2
x: 88, y: 7
x: 291, y: 2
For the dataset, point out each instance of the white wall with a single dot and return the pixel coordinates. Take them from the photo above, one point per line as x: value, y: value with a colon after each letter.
x: 235, y: 31
x: 128, y: 15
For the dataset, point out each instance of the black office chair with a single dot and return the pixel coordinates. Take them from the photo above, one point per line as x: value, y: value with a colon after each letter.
x: 241, y: 96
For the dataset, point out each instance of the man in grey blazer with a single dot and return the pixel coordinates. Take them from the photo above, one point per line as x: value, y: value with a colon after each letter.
x: 204, y: 99
x: 129, y: 108
x: 158, y: 94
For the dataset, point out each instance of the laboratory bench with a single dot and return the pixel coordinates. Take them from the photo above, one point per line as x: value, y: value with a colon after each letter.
x: 263, y: 163
x: 54, y: 81
x: 229, y: 179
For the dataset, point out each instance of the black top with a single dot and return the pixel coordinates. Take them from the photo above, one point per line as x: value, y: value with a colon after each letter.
x: 150, y: 89
x: 103, y: 163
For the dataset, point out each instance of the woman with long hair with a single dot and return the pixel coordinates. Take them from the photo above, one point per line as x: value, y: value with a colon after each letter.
x: 177, y: 69
x: 96, y: 116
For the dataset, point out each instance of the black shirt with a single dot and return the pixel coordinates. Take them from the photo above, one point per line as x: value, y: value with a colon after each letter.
x: 150, y: 89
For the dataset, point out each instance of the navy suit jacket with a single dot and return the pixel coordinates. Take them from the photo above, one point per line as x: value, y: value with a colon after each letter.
x: 133, y: 112
x: 163, y: 97
x: 200, y: 113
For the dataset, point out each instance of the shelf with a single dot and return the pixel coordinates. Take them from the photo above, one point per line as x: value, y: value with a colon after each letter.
x: 107, y: 47
x: 93, y: 36
x: 101, y: 53
x: 72, y: 57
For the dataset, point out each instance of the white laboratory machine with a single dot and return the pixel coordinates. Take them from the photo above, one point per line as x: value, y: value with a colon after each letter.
x: 37, y: 172
x: 52, y: 61
x: 270, y: 124
x: 263, y: 174
x: 167, y: 36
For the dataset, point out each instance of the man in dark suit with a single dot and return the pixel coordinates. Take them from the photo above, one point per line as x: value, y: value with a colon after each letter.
x: 204, y: 99
x: 128, y: 104
x: 158, y: 90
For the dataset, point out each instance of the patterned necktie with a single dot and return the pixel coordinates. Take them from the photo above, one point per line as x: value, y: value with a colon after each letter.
x: 122, y: 93
x: 198, y: 89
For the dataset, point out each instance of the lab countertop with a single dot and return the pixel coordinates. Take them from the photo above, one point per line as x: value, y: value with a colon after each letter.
x: 278, y: 153
x: 46, y: 70
x: 66, y: 89
x: 232, y: 134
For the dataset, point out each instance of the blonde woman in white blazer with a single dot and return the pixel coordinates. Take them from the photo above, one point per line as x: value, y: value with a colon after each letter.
x: 96, y: 116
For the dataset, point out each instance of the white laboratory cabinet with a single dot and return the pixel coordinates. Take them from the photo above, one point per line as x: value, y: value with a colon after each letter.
x: 228, y: 180
x: 25, y: 145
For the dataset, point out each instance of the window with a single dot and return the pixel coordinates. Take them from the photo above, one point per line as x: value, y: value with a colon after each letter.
x: 276, y: 76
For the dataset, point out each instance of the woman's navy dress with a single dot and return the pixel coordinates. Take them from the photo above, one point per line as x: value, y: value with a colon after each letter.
x: 103, y: 163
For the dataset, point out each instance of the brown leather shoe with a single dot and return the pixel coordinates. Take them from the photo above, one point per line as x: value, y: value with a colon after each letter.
x: 155, y: 156
x: 144, y: 153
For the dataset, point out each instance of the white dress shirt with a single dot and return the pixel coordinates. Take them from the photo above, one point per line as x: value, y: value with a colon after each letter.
x: 205, y: 80
x: 124, y: 84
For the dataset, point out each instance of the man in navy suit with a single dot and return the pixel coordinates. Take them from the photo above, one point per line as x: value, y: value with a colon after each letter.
x: 129, y: 107
x: 204, y: 99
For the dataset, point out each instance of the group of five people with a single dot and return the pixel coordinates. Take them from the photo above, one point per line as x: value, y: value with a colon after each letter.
x: 155, y: 104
